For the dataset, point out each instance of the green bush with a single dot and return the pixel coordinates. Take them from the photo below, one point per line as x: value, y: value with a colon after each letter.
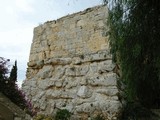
x: 42, y: 117
x: 135, y: 111
x: 63, y: 115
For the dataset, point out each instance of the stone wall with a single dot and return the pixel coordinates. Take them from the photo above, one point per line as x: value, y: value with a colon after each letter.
x: 10, y: 111
x: 70, y: 67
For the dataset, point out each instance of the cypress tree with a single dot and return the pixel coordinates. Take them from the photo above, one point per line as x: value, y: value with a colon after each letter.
x: 135, y: 41
x: 135, y: 45
x: 13, y: 74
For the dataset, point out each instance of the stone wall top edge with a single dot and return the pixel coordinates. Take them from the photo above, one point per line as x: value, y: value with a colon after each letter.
x: 87, y: 10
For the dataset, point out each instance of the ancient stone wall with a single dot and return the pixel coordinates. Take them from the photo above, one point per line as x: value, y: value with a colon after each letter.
x: 70, y: 67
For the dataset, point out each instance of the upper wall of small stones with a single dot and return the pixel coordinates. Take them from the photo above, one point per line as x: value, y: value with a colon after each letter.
x: 75, y: 34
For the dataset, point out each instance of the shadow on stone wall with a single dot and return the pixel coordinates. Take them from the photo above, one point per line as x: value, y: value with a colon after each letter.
x: 10, y: 111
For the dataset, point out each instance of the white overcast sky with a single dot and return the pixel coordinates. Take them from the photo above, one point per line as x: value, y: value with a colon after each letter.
x: 18, y: 19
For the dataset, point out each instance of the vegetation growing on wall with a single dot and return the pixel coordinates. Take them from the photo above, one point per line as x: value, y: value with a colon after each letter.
x: 61, y: 114
x: 135, y: 45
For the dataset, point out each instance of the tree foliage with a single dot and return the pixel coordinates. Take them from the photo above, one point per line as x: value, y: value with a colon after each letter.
x: 9, y: 87
x: 135, y: 44
x: 13, y: 73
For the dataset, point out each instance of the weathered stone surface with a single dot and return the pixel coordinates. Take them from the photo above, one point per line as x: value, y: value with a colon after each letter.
x: 109, y: 79
x: 108, y: 92
x: 70, y: 67
x: 106, y: 66
x: 84, y: 92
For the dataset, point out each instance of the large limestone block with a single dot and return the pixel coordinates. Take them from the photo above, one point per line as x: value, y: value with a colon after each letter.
x: 84, y: 92
x: 86, y: 108
x: 44, y: 84
x: 103, y: 80
x: 106, y: 66
x: 108, y: 91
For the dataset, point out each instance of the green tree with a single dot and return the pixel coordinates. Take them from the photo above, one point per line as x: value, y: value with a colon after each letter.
x: 13, y: 92
x: 13, y: 73
x: 135, y: 44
